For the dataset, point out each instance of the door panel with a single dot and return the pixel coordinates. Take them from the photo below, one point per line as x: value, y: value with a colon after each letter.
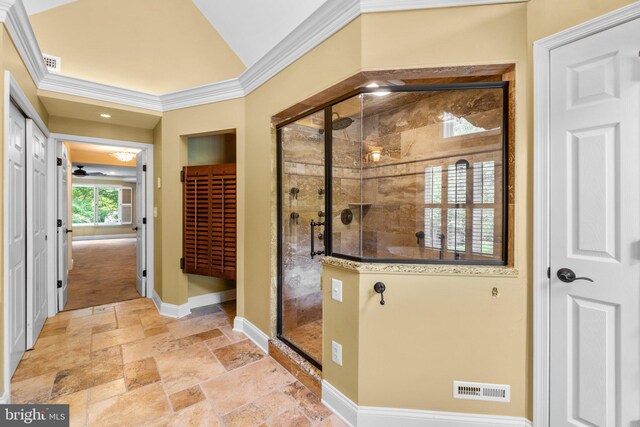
x: 141, y: 259
x: 595, y: 231
x: 17, y: 238
x: 63, y: 230
x: 302, y: 232
x: 36, y: 232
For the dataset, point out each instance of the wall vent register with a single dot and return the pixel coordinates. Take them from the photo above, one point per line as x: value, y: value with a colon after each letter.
x: 481, y: 391
x: 53, y: 63
x: 209, y: 220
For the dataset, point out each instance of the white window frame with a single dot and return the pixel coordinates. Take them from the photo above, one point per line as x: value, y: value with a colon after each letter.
x: 95, y: 222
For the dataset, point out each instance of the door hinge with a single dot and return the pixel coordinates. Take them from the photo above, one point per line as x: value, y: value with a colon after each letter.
x: 144, y: 168
x: 59, y: 284
x: 58, y: 161
x: 144, y: 220
x: 59, y: 223
x: 549, y: 273
x: 144, y: 273
x: 181, y: 263
x: 181, y: 176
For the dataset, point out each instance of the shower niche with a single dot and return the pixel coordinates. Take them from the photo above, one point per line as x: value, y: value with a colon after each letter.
x: 401, y: 174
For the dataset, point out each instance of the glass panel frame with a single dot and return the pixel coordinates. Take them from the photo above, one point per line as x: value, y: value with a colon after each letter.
x: 332, y: 216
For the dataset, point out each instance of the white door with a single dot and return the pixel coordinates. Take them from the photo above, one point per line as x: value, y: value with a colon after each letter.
x: 63, y: 224
x: 17, y: 244
x: 141, y: 222
x: 595, y: 230
x: 36, y: 231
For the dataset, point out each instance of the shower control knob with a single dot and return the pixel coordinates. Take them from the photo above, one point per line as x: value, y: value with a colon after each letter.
x: 320, y: 191
x: 320, y: 236
x: 320, y: 214
x: 294, y: 217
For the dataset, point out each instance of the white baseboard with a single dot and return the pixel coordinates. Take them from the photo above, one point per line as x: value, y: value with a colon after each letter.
x: 105, y: 237
x: 170, y: 310
x: 212, y: 298
x: 368, y: 416
x: 259, y: 338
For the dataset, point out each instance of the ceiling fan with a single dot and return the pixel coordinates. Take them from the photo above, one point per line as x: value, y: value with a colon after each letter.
x: 80, y: 172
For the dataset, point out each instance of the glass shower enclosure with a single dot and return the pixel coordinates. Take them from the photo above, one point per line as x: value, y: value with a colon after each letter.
x: 403, y: 174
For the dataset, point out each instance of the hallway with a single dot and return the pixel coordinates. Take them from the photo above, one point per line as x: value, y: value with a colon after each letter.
x: 104, y: 272
x: 124, y: 364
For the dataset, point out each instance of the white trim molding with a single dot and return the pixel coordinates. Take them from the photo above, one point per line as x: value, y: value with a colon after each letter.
x: 541, y: 261
x: 170, y: 310
x: 99, y: 91
x: 370, y: 416
x: 104, y: 237
x: 212, y: 298
x: 5, y: 399
x: 330, y: 18
x: 259, y: 338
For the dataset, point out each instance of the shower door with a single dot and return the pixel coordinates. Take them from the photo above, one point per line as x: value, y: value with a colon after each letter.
x: 302, y: 232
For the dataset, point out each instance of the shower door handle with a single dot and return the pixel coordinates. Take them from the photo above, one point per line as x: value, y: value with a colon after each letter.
x: 313, y: 235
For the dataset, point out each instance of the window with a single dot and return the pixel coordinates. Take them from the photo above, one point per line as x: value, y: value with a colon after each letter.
x: 458, y: 126
x: 101, y: 205
x: 466, y: 200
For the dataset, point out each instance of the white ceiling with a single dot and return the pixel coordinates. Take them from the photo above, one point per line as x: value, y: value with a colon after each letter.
x: 98, y: 148
x: 124, y: 173
x: 253, y: 27
x: 250, y: 27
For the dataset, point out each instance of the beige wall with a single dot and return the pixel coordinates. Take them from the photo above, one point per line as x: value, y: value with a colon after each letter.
x: 69, y: 126
x: 176, y: 126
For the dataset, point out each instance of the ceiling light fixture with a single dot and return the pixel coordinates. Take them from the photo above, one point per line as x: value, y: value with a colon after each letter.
x: 373, y: 85
x: 105, y: 116
x: 124, y: 156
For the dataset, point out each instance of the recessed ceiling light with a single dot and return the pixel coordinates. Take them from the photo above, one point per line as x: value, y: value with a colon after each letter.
x: 373, y: 85
x: 105, y: 116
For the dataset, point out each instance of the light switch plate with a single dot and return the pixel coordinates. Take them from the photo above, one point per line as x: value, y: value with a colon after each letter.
x: 336, y: 353
x: 336, y: 290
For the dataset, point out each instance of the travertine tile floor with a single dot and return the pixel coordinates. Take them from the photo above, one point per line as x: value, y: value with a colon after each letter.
x: 123, y: 364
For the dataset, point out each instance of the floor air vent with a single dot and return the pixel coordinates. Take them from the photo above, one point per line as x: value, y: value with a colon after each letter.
x: 481, y: 391
x: 52, y: 62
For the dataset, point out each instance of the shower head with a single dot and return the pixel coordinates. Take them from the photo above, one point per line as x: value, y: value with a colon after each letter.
x: 340, y: 123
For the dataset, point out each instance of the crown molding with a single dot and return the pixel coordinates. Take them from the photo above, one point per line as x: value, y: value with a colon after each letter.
x: 17, y: 22
x: 331, y: 17
x: 99, y: 91
x: 5, y: 5
x: 207, y: 94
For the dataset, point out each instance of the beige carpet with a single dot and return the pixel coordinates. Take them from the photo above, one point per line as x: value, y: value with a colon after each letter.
x: 104, y: 271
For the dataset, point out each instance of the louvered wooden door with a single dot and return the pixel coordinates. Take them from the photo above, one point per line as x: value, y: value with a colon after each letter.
x: 209, y: 222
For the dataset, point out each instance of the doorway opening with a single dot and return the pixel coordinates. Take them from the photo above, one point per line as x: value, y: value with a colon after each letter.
x: 209, y: 229
x: 104, y: 233
x: 102, y: 207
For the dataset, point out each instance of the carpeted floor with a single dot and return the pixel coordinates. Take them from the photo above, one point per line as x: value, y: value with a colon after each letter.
x: 104, y: 272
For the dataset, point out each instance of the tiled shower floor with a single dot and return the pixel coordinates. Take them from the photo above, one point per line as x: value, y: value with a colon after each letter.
x: 124, y: 364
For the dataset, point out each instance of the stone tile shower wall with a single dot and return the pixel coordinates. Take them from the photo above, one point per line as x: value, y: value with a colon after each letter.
x: 409, y: 128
